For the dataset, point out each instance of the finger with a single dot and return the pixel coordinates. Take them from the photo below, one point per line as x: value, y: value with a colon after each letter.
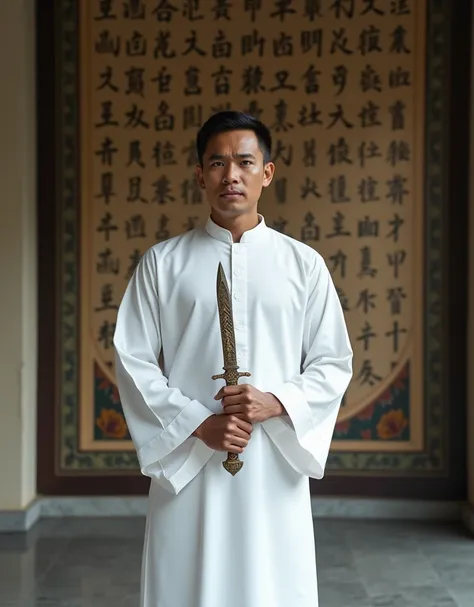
x: 236, y: 441
x: 231, y: 400
x: 244, y: 424
x: 233, y: 449
x: 233, y: 410
x: 228, y: 391
x: 237, y: 431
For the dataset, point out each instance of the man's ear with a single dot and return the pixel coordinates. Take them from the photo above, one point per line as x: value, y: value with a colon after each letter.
x: 268, y: 172
x: 199, y: 176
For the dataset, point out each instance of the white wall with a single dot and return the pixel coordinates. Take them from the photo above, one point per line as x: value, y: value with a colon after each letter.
x: 17, y: 255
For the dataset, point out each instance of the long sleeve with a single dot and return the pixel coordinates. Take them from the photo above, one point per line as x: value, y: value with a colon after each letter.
x: 312, y: 398
x: 160, y: 418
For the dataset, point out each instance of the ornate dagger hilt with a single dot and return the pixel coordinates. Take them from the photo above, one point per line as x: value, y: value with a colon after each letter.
x: 231, y: 376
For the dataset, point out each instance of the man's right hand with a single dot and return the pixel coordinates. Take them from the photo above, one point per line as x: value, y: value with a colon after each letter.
x: 222, y: 432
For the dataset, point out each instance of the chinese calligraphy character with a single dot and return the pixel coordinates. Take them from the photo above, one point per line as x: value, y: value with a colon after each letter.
x: 107, y: 45
x: 192, y: 45
x: 106, y: 187
x: 399, y: 78
x: 399, y: 41
x: 107, y: 80
x: 105, y: 11
x: 311, y: 230
x: 164, y: 11
x: 396, y: 260
x: 338, y: 116
x: 283, y: 8
x: 338, y: 226
x: 135, y: 118
x: 367, y: 190
x: 398, y: 151
x: 343, y: 8
x: 106, y: 152
x: 135, y: 227
x: 339, y: 260
x: 135, y: 154
x: 252, y: 80
x: 136, y: 84
x: 337, y: 189
x: 339, y: 78
x: 395, y: 223
x: 340, y: 42
x: 163, y: 80
x: 134, y: 9
x: 366, y: 268
x: 309, y: 187
x: 397, y: 110
x: 366, y: 335
x: 135, y: 190
x: 163, y: 153
x: 192, y: 86
x: 367, y: 374
x: 366, y: 301
x: 396, y: 189
x: 339, y: 152
x: 107, y: 115
x: 163, y: 120
x: 372, y: 8
x: 395, y: 333
x: 312, y: 39
x: 368, y: 227
x: 394, y: 298
x: 162, y: 190
x: 106, y: 226
x: 253, y: 41
x: 252, y: 6
x: 162, y: 48
x: 221, y: 9
x: 107, y: 298
x: 221, y: 48
x: 221, y: 82
x: 136, y: 45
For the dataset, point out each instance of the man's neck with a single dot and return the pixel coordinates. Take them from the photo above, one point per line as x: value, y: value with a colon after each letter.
x: 237, y: 226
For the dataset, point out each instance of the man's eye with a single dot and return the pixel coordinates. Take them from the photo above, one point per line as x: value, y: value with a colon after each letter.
x: 215, y: 164
x: 247, y: 162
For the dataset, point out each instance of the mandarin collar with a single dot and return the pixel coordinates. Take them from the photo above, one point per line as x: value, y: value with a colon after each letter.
x: 253, y: 235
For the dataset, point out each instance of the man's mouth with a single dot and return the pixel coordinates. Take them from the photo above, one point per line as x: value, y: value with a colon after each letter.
x: 231, y: 194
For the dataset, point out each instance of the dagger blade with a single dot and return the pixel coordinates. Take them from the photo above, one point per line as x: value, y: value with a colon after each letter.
x: 226, y: 321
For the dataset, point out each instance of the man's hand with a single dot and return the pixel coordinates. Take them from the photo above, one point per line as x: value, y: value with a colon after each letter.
x: 245, y: 400
x: 228, y: 433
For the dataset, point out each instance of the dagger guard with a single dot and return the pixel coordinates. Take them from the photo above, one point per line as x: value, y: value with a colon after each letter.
x: 231, y: 376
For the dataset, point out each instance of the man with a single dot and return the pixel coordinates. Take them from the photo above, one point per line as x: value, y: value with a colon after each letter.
x: 213, y: 539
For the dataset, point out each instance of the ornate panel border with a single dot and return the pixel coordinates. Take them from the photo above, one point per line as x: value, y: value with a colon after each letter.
x: 433, y: 461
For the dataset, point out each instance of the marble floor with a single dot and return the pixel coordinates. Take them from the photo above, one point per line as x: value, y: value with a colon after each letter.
x: 96, y: 563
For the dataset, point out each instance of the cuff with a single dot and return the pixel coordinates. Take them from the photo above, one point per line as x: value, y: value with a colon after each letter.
x: 299, y: 412
x: 181, y: 428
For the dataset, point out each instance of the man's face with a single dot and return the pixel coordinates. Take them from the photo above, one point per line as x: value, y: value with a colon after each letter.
x: 233, y: 173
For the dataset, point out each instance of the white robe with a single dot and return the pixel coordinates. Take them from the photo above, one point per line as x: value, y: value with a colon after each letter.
x: 213, y: 540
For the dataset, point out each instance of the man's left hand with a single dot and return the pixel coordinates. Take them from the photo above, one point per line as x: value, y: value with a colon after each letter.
x: 253, y: 405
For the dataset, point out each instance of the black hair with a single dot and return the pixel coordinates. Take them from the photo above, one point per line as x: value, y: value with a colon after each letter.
x: 223, y: 122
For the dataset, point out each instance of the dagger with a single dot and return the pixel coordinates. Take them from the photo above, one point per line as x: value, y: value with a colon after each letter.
x: 231, y: 370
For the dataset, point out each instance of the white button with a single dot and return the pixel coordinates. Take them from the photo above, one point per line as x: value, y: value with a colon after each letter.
x: 238, y: 272
x: 237, y: 251
x: 237, y: 296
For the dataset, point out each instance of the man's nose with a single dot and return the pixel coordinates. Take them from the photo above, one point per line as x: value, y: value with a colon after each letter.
x: 231, y: 174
